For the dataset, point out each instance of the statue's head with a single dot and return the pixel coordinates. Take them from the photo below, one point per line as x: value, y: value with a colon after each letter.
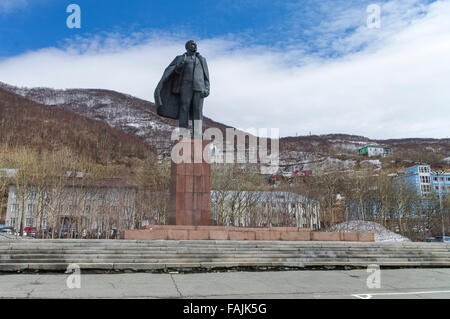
x: 191, y: 46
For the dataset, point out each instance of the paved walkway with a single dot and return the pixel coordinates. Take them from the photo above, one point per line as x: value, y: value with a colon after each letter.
x: 406, y: 283
x: 7, y: 237
x: 4, y: 236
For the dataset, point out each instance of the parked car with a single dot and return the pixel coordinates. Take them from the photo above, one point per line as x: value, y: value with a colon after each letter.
x: 438, y: 239
x: 7, y: 230
x: 29, y: 231
x: 443, y: 239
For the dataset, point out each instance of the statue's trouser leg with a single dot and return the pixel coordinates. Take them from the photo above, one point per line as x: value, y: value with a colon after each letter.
x: 186, y: 97
x: 197, y: 110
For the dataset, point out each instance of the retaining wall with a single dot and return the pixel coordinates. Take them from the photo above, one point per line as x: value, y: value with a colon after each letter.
x: 240, y: 233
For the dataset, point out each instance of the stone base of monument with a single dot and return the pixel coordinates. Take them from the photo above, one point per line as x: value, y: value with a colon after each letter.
x: 190, y: 188
x: 173, y: 232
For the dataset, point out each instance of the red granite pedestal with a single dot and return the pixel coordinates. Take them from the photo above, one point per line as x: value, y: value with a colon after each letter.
x: 190, y: 189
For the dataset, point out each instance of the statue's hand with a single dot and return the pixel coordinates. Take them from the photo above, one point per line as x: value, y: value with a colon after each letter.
x: 179, y: 66
x: 205, y: 93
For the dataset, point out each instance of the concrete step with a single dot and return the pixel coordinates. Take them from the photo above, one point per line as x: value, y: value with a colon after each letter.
x: 55, y: 255
x: 187, y: 260
x: 24, y: 257
x: 50, y: 254
x: 209, y: 258
x: 87, y: 246
x: 84, y: 259
x: 212, y: 248
x: 60, y: 267
x: 163, y: 243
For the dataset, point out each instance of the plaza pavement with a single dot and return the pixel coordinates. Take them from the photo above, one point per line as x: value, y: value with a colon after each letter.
x: 343, y: 284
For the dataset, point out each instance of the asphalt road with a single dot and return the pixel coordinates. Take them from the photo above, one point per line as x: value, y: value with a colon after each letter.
x: 350, y: 284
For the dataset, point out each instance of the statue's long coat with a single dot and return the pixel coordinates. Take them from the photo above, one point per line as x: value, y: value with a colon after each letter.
x: 167, y: 93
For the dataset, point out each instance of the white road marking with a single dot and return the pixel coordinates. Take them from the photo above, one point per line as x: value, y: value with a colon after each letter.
x: 369, y: 296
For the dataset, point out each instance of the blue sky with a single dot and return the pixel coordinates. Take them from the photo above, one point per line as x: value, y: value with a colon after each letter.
x: 33, y: 24
x: 299, y: 65
x: 39, y: 24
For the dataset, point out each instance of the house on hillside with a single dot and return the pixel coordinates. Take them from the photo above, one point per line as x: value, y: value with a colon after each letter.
x: 303, y: 173
x: 440, y: 182
x: 375, y: 150
x: 425, y: 181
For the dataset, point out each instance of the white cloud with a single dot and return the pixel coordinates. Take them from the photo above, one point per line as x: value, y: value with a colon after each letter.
x: 396, y: 87
x: 9, y: 5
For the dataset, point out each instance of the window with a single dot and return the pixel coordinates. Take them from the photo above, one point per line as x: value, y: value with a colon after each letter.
x: 426, y: 189
x: 31, y: 209
x: 425, y: 179
x: 14, y: 208
x: 435, y: 179
x: 28, y: 222
x: 424, y: 169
